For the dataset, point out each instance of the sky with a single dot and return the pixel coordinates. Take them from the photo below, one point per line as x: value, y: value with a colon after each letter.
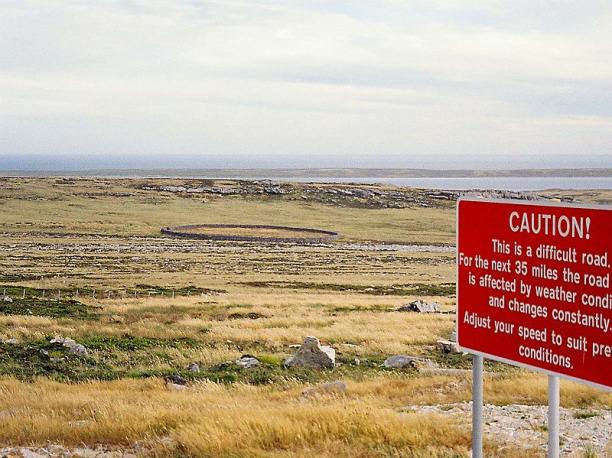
x: 231, y: 83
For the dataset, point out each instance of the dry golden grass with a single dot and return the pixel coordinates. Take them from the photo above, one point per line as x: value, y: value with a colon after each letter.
x: 215, y: 420
x: 290, y: 318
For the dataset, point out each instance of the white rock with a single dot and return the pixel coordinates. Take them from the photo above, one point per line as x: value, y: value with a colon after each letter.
x: 400, y: 362
x: 247, y: 361
x: 313, y: 355
x: 71, y: 345
x: 447, y: 346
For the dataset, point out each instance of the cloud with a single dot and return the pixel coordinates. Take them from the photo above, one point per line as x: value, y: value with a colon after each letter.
x: 409, y: 81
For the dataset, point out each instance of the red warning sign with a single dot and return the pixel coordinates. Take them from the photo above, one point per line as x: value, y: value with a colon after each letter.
x: 533, y: 286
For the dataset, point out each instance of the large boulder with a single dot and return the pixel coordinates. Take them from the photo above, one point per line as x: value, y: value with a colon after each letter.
x: 313, y: 355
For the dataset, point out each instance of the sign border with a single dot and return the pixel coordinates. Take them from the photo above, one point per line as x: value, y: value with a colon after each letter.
x: 499, y: 358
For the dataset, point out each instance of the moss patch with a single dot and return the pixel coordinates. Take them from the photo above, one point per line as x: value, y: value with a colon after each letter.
x: 442, y: 289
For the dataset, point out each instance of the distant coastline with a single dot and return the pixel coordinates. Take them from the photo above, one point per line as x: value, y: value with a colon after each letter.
x: 315, y: 172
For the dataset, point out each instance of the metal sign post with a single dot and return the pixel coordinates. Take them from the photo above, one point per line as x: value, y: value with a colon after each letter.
x: 553, y: 416
x: 477, y: 370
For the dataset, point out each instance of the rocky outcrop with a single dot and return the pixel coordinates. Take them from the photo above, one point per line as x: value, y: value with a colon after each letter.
x: 313, y: 355
x: 71, y: 345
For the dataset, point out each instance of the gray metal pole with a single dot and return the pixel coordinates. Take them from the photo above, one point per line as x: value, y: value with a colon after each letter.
x: 553, y: 416
x: 477, y: 397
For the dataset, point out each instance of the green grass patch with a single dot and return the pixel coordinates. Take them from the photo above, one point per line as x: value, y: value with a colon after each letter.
x: 43, y: 359
x: 442, y: 289
x: 128, y: 343
x: 63, y: 308
x: 584, y: 414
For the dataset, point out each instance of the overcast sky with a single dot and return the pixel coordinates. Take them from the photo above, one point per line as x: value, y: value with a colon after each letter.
x: 444, y: 84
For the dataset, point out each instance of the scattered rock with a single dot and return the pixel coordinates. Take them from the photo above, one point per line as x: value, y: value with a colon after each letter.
x: 400, y: 362
x: 357, y: 361
x: 7, y: 299
x: 447, y: 346
x: 247, y: 361
x: 9, y: 341
x: 55, y: 450
x: 337, y: 387
x: 116, y: 319
x: 313, y: 355
x: 420, y: 306
x: 71, y: 345
x: 26, y: 453
x: 193, y: 367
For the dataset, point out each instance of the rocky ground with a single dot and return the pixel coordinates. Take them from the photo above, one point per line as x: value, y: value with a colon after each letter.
x: 58, y: 451
x: 349, y: 194
x: 582, y: 432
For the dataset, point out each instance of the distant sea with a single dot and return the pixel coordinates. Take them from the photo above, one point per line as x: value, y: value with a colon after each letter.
x: 505, y: 183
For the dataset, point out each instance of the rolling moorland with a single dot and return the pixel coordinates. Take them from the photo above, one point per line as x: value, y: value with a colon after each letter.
x: 83, y: 258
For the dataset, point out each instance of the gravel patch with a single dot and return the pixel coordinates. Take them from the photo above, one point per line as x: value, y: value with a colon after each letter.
x: 58, y: 451
x: 581, y: 430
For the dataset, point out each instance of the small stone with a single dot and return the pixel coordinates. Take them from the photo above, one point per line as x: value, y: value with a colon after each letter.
x: 446, y: 346
x: 357, y: 361
x: 420, y: 306
x: 247, y: 361
x: 193, y: 367
x: 116, y: 319
x: 7, y: 299
x: 400, y: 362
x: 175, y: 379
